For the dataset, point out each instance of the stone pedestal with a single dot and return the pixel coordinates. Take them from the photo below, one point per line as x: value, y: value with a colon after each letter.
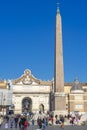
x: 59, y: 104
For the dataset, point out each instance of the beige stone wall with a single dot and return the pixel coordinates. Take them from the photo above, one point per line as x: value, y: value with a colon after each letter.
x: 85, y: 106
x: 3, y: 85
x: 67, y: 89
x: 85, y: 97
x: 72, y: 106
x: 37, y: 99
x: 76, y: 102
x: 85, y: 102
x: 71, y: 103
x: 71, y: 97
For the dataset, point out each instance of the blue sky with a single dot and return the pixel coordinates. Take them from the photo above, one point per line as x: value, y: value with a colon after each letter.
x: 27, y: 37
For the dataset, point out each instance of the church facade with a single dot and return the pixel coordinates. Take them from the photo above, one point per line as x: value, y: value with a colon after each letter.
x: 30, y: 94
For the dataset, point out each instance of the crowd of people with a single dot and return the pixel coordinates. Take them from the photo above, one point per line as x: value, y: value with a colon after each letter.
x: 24, y: 121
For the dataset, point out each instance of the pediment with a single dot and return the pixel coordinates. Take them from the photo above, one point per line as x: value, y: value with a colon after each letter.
x: 27, y: 79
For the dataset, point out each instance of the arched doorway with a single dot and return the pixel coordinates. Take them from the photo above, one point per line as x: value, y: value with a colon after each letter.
x: 26, y: 105
x: 41, y: 108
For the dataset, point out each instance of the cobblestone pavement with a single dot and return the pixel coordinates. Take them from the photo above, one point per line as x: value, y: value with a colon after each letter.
x: 51, y: 128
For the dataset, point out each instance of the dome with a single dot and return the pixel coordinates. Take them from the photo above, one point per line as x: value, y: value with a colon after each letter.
x: 77, y: 87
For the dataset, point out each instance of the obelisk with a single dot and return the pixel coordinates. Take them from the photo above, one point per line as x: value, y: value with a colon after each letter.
x: 59, y: 95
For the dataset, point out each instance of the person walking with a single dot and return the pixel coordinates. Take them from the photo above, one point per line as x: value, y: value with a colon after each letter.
x: 44, y: 123
x: 62, y: 121
x: 23, y: 119
x: 39, y: 121
x: 16, y: 121
x: 11, y: 122
x: 32, y: 122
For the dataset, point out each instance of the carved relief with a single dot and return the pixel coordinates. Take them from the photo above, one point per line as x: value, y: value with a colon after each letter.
x: 27, y: 80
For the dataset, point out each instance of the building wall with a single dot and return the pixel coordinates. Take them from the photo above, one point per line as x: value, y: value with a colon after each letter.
x: 76, y: 101
x: 38, y: 94
x: 85, y: 102
x: 37, y: 100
